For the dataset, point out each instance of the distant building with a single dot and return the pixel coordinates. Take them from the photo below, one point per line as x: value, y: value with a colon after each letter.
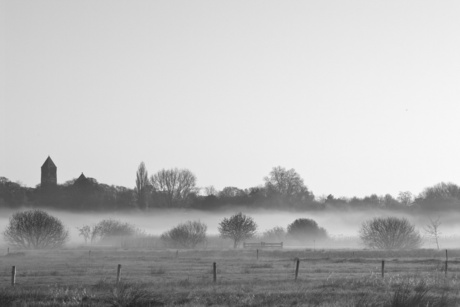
x: 49, y: 174
x: 82, y: 181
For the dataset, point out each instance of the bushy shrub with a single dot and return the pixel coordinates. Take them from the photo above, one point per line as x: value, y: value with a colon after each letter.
x: 108, y: 230
x: 35, y: 229
x: 186, y: 235
x: 276, y: 234
x: 390, y: 233
x: 306, y: 229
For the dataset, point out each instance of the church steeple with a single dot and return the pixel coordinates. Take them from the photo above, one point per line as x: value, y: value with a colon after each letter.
x: 49, y: 174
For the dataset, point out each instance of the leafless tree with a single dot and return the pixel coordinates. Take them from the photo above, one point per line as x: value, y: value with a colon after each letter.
x: 89, y: 233
x: 186, y: 235
x: 174, y: 186
x: 238, y: 227
x: 390, y: 233
x: 142, y: 188
x: 85, y: 232
x: 35, y: 229
x: 432, y: 230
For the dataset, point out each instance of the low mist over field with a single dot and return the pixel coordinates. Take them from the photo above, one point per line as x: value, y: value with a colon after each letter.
x: 343, y: 224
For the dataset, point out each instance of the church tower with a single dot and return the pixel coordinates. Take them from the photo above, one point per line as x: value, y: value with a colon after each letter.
x: 49, y: 174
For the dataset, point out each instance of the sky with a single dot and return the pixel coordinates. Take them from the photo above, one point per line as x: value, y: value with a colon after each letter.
x: 359, y: 97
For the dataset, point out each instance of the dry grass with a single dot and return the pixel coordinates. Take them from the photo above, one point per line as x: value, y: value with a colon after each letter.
x: 157, y: 278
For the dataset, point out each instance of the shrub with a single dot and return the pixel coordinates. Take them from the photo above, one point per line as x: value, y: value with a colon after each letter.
x: 35, y: 229
x: 238, y: 227
x: 306, y: 229
x: 112, y: 229
x: 275, y: 234
x: 389, y: 233
x: 186, y: 235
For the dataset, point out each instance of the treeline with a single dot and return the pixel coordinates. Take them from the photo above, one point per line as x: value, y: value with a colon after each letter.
x: 282, y: 189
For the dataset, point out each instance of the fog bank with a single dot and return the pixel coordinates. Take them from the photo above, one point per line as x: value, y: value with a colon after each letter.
x: 337, y: 223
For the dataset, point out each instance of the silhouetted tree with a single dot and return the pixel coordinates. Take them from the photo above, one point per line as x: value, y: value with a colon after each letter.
x: 174, y: 187
x: 441, y: 196
x: 142, y: 189
x: 288, y: 186
x: 238, y: 227
x: 390, y: 202
x: 12, y: 194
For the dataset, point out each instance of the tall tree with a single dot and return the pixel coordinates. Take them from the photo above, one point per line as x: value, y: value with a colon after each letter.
x: 288, y: 185
x: 173, y: 187
x: 142, y: 188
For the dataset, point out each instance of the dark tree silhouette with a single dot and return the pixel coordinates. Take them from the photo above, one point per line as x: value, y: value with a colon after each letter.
x: 142, y: 188
x: 288, y: 186
x: 174, y: 187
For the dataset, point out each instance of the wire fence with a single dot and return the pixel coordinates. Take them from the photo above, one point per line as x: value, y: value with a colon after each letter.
x: 109, y: 265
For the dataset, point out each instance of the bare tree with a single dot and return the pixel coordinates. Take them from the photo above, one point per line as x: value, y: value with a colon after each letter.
x: 186, y: 235
x: 35, y: 229
x: 142, y: 188
x: 238, y: 227
x: 89, y: 233
x: 390, y: 233
x: 432, y: 230
x: 85, y: 232
x: 174, y: 186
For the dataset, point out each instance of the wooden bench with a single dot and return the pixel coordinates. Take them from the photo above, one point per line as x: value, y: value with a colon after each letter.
x: 263, y: 245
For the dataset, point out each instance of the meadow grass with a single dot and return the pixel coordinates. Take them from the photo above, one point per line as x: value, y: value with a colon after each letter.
x: 75, y: 277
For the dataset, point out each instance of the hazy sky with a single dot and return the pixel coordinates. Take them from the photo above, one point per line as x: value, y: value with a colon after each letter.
x: 359, y: 97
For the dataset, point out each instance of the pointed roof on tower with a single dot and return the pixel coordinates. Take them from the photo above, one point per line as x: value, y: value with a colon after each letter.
x: 49, y: 163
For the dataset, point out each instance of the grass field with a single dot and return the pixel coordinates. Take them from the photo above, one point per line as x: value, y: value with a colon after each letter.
x: 75, y: 277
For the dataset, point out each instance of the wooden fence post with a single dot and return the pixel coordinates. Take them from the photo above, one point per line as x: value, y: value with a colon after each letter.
x: 177, y: 254
x: 383, y: 268
x: 8, y: 252
x: 446, y: 263
x: 118, y: 273
x: 13, y: 275
x: 89, y: 253
x: 214, y: 272
x: 297, y: 268
x: 257, y: 254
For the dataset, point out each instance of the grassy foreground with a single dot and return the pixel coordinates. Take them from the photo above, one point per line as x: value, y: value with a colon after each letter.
x: 77, y: 277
